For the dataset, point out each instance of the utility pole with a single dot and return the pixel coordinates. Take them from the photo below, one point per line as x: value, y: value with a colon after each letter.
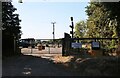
x: 72, y: 26
x: 53, y: 29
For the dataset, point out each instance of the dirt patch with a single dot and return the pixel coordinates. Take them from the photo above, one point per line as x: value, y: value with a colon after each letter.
x: 62, y: 59
x: 92, y: 66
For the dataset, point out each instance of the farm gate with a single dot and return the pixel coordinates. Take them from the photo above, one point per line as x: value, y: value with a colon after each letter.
x: 81, y: 46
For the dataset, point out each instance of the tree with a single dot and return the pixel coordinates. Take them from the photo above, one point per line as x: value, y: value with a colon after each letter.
x: 114, y: 7
x: 11, y: 24
x: 10, y: 20
x: 80, y: 29
x: 101, y: 21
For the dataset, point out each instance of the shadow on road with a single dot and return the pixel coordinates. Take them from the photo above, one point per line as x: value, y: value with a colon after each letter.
x: 28, y: 66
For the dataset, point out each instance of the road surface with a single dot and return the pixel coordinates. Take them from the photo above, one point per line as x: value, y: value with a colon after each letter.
x: 32, y: 66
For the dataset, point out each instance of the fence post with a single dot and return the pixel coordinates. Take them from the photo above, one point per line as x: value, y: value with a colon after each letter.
x: 63, y: 47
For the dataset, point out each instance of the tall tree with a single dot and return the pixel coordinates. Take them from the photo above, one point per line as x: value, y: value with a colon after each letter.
x: 11, y: 21
x: 101, y: 22
x: 11, y: 24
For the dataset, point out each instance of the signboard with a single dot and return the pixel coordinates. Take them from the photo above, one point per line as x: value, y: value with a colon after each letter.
x: 76, y: 45
x: 95, y: 45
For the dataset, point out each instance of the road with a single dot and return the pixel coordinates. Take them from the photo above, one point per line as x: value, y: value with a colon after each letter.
x: 32, y: 66
x: 37, y: 63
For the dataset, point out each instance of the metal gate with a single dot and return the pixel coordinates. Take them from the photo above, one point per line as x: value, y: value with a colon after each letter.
x: 48, y: 46
x: 81, y: 46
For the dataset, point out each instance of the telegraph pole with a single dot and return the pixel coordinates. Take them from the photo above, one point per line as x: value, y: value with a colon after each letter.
x: 53, y: 29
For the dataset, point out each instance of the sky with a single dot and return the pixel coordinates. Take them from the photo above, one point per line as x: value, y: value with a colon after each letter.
x: 37, y: 17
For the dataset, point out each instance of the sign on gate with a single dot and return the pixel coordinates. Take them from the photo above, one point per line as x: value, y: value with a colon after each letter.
x: 76, y: 45
x: 95, y: 45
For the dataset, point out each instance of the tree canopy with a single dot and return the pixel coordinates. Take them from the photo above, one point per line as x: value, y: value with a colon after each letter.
x: 11, y: 25
x: 114, y: 8
x: 10, y: 20
x: 103, y: 22
x: 100, y: 22
x: 80, y: 29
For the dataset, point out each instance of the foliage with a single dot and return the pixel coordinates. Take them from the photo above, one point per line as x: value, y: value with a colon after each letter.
x: 10, y: 20
x: 80, y: 29
x: 103, y: 21
x: 114, y: 7
x: 11, y: 25
x: 100, y: 23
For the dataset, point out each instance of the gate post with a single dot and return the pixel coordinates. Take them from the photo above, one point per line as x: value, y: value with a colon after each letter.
x: 63, y: 47
x: 66, y: 44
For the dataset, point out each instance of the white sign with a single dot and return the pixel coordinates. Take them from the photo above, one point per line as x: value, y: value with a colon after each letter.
x: 95, y: 44
x: 77, y: 45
